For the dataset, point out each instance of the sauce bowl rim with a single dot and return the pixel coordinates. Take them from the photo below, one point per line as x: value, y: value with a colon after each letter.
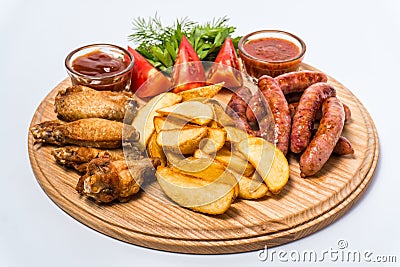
x: 69, y: 68
x: 244, y: 52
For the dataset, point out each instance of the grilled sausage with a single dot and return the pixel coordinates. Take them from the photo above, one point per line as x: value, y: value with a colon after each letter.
x: 298, y: 81
x: 256, y: 109
x: 236, y: 109
x: 303, y: 120
x: 347, y: 112
x: 343, y: 147
x: 280, y: 111
x: 321, y: 146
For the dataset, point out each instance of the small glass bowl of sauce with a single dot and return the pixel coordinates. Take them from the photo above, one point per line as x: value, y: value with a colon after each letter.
x: 101, y: 67
x: 271, y: 52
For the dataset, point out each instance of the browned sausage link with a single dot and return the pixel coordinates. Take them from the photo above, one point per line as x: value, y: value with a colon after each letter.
x: 236, y: 109
x: 267, y: 128
x: 299, y: 81
x: 253, y: 102
x: 279, y: 109
x: 347, y: 112
x: 321, y: 146
x: 343, y: 147
x: 303, y: 120
x: 239, y: 100
x: 256, y: 109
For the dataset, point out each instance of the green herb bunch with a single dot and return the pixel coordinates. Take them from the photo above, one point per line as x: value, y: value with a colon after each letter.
x: 159, y: 44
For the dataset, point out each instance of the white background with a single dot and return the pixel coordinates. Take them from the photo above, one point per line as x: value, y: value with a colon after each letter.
x: 356, y: 42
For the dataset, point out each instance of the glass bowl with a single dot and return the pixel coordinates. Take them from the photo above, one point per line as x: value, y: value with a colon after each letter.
x: 271, y: 52
x: 101, y: 67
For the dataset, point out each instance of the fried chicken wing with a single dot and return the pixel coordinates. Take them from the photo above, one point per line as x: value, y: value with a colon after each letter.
x: 81, y: 102
x: 78, y: 157
x: 107, y: 180
x: 91, y: 132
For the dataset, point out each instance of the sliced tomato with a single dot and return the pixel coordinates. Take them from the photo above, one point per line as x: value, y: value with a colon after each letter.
x: 226, y: 67
x: 146, y: 77
x: 188, y: 70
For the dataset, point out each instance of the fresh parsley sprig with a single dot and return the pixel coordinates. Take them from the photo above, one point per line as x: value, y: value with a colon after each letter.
x: 159, y: 44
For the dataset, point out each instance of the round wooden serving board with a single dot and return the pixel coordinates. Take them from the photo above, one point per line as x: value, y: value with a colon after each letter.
x: 303, y: 207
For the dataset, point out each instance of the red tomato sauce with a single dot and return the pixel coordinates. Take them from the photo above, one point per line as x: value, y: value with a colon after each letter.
x: 98, y: 64
x: 272, y: 49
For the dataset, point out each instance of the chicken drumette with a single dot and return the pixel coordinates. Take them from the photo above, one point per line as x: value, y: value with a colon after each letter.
x: 107, y: 180
x: 80, y: 102
x: 78, y: 157
x: 92, y: 132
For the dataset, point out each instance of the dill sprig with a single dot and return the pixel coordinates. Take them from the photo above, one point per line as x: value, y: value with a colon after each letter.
x: 159, y: 44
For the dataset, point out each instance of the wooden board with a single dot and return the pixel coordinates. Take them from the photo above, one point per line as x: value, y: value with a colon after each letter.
x: 303, y: 207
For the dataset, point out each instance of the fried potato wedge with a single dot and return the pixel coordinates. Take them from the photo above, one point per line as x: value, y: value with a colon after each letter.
x: 235, y: 135
x: 143, y: 121
x: 184, y: 141
x: 251, y: 188
x: 167, y: 123
x: 214, y: 141
x: 187, y: 164
x: 154, y: 150
x: 213, y: 124
x: 220, y: 116
x: 207, y: 169
x: 204, y: 168
x: 208, y: 91
x: 198, y: 154
x: 189, y: 111
x: 194, y: 193
x: 268, y: 161
x: 234, y: 162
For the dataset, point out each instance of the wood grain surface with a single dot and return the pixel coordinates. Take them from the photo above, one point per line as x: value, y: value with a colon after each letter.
x: 302, y: 208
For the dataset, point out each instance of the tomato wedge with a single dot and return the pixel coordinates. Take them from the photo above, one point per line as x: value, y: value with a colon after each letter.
x: 226, y: 67
x: 143, y: 71
x: 188, y: 70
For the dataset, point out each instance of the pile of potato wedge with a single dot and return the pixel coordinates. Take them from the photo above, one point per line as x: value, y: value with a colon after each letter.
x: 206, y: 162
